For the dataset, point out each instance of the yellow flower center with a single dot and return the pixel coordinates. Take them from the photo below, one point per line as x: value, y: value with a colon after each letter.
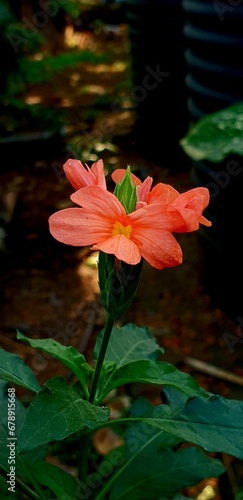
x: 118, y: 228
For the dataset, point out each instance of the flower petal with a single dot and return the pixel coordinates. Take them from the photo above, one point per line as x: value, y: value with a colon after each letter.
x: 161, y: 250
x: 205, y: 221
x: 144, y: 189
x: 118, y: 174
x: 91, y: 224
x: 163, y: 194
x: 73, y: 227
x: 97, y: 170
x: 98, y: 201
x: 77, y: 174
x: 140, y: 204
x: 122, y: 247
x: 191, y: 205
x: 155, y: 242
x: 166, y: 217
x: 80, y: 176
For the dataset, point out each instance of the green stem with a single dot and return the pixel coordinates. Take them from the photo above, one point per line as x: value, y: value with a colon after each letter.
x: 20, y: 485
x: 86, y: 391
x: 83, y: 458
x: 84, y: 439
x: 110, y: 320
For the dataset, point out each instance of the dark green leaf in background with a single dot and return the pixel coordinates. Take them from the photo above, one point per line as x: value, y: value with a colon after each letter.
x: 214, y: 423
x: 129, y: 343
x: 216, y: 135
x: 60, y: 482
x: 152, y: 470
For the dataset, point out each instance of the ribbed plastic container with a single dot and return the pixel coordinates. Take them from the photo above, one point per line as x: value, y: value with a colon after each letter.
x: 213, y: 34
x: 213, y: 54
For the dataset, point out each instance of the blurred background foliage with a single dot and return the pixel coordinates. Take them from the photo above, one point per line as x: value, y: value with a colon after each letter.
x: 46, y: 46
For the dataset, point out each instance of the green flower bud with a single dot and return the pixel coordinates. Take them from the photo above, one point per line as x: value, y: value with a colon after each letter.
x: 126, y: 192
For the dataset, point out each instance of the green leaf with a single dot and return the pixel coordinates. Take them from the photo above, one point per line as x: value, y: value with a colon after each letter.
x: 215, y: 424
x: 166, y: 472
x: 56, y: 412
x: 151, y: 470
x: 152, y: 372
x: 4, y: 493
x: 111, y: 463
x: 216, y: 135
x: 59, y: 481
x: 239, y: 495
x: 175, y: 398
x: 140, y: 406
x: 14, y: 370
x: 129, y: 343
x: 20, y: 412
x: 69, y: 356
x: 138, y: 434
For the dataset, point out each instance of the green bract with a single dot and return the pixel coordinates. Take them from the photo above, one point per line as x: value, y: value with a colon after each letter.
x: 118, y: 285
x: 125, y: 191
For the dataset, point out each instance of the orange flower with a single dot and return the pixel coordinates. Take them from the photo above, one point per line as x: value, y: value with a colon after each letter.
x: 80, y: 176
x: 190, y: 204
x: 101, y: 221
